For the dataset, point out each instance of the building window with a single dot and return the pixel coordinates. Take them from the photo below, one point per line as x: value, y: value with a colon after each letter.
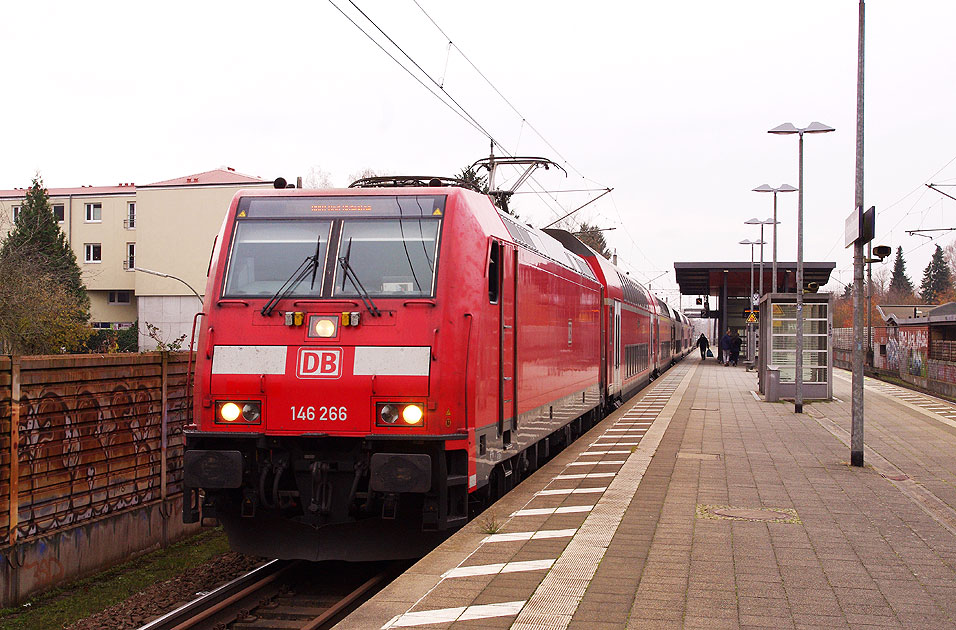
x: 94, y: 212
x: 94, y: 252
x: 119, y: 297
x: 130, y: 263
x: 58, y: 212
x: 130, y: 222
x: 16, y: 213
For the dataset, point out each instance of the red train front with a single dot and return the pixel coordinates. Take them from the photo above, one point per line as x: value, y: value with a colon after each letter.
x: 366, y: 368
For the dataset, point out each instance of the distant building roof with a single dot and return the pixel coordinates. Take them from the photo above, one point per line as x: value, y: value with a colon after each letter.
x: 944, y: 313
x: 898, y: 312
x: 89, y: 191
x: 218, y: 176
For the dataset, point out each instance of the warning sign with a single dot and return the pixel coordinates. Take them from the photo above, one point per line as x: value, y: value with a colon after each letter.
x: 752, y: 318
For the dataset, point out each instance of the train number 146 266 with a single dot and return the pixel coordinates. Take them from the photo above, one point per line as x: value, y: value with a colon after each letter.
x: 322, y: 414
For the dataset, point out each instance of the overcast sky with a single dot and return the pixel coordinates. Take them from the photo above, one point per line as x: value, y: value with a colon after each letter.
x: 666, y: 102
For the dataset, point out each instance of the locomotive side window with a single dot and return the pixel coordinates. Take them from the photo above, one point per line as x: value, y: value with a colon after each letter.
x: 390, y: 257
x: 494, y: 272
x: 265, y: 253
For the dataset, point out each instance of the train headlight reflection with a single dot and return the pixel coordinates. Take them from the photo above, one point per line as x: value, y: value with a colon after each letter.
x: 388, y: 414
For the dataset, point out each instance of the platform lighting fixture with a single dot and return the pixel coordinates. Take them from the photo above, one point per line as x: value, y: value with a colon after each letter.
x: 782, y: 188
x: 787, y: 129
x: 750, y: 328
x: 756, y: 221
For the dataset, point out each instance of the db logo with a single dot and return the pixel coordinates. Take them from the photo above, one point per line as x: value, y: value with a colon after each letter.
x: 319, y: 363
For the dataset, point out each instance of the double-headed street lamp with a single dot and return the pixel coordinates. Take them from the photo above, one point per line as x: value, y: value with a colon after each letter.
x: 750, y: 328
x: 779, y: 189
x: 789, y: 129
x: 772, y: 222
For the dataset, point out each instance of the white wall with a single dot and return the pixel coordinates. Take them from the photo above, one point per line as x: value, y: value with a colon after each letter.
x: 172, y: 314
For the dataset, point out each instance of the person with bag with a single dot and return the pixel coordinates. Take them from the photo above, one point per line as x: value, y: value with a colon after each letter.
x: 704, y: 346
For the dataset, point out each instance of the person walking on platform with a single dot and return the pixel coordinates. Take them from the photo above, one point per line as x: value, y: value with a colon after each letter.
x: 735, y: 343
x: 725, y: 348
x: 703, y: 345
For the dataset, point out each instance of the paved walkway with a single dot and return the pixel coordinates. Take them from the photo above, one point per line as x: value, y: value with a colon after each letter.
x: 701, y: 506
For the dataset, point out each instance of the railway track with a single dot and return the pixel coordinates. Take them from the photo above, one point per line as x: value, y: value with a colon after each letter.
x: 282, y: 594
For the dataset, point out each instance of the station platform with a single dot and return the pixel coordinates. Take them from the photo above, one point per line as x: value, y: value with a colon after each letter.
x: 699, y: 505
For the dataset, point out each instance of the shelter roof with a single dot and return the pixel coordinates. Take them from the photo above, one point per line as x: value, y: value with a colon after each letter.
x: 899, y: 312
x: 707, y: 278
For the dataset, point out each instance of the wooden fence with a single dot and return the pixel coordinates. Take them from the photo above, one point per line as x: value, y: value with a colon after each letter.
x: 83, y: 437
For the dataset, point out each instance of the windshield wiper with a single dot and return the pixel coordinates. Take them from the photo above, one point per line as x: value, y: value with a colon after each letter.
x: 353, y: 278
x: 310, y: 264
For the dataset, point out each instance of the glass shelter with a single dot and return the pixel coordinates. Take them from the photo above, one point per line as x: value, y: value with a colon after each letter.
x: 777, y: 345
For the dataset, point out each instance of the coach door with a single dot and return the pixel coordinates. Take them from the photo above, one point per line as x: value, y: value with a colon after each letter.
x: 507, y: 391
x: 616, y: 324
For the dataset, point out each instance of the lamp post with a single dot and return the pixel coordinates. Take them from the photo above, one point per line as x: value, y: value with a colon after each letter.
x: 756, y: 221
x: 750, y: 328
x: 166, y: 275
x: 789, y: 129
x: 768, y: 188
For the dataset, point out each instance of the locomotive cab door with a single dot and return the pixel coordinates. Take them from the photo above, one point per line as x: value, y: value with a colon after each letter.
x: 507, y: 348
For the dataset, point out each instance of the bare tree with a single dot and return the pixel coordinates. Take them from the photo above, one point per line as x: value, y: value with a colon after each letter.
x: 317, y: 177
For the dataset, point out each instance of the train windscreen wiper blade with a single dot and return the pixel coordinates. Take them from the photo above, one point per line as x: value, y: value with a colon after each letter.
x: 309, y: 265
x: 353, y: 278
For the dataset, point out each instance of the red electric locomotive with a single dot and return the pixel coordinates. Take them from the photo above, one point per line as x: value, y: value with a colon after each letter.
x: 372, y: 363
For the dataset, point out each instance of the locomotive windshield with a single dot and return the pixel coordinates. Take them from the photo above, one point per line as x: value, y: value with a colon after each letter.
x: 264, y: 253
x: 390, y: 243
x: 389, y: 257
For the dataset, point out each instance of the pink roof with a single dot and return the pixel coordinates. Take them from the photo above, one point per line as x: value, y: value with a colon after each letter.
x: 217, y: 176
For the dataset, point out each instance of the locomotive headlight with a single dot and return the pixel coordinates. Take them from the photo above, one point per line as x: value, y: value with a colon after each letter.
x: 239, y: 412
x: 323, y: 327
x: 230, y: 412
x: 251, y: 412
x: 412, y: 414
x: 388, y: 413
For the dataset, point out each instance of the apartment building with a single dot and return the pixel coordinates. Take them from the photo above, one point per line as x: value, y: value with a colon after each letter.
x: 167, y: 227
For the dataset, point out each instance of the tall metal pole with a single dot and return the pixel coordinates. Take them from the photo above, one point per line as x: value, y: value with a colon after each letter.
x: 856, y: 428
x: 760, y: 290
x: 750, y: 326
x: 798, y: 374
x: 869, y: 304
x: 773, y: 283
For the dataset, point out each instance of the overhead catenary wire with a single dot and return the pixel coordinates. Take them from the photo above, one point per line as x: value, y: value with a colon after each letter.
x: 454, y: 105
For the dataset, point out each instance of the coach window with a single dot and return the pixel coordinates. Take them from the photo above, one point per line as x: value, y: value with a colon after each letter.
x: 494, y: 271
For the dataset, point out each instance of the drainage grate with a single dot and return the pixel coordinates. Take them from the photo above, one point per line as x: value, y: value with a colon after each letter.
x: 754, y: 515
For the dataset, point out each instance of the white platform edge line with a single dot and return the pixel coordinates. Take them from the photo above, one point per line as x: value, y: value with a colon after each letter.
x: 610, y: 506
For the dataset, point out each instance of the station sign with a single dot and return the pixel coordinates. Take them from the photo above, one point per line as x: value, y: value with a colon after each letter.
x: 860, y: 226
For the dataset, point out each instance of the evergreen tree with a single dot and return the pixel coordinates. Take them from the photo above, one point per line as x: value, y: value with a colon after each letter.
x: 36, y: 264
x: 591, y: 236
x: 937, y: 280
x: 901, y: 288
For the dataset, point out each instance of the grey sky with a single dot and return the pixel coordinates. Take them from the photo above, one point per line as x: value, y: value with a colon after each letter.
x: 666, y: 102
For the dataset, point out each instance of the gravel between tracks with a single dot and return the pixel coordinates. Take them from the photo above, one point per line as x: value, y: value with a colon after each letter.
x: 163, y: 597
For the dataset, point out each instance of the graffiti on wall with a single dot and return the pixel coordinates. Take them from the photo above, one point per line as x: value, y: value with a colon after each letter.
x: 89, y: 448
x: 912, y: 350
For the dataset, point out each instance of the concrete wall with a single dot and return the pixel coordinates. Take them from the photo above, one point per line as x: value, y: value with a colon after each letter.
x: 90, y: 464
x: 171, y: 314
